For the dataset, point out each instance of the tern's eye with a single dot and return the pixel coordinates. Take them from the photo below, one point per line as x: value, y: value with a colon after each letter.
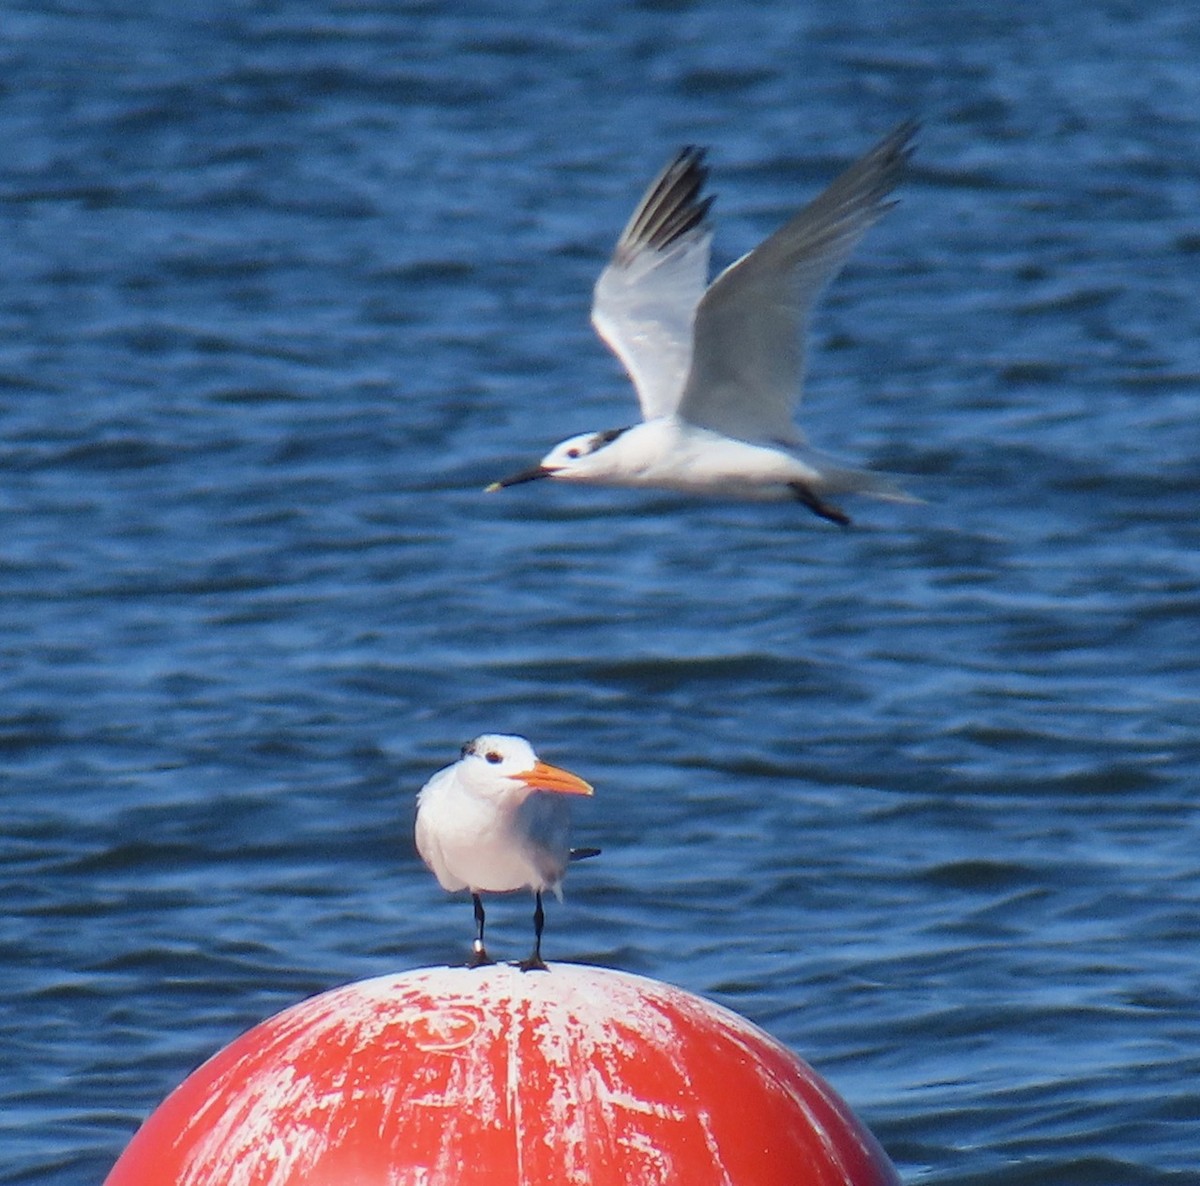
x: 493, y: 757
x: 572, y: 453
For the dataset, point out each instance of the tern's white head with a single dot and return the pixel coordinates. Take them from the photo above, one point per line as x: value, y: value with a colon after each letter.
x: 588, y: 457
x: 502, y: 768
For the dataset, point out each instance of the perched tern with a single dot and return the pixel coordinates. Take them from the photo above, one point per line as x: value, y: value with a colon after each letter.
x: 718, y: 371
x: 496, y: 821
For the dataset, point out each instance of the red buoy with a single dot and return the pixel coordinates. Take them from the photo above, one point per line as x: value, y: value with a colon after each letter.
x: 495, y: 1077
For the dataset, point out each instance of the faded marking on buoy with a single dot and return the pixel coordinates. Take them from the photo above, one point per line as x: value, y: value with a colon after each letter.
x: 443, y: 1029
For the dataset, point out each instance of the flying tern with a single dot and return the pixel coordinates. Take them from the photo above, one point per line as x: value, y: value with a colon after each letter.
x: 718, y: 370
x: 497, y: 821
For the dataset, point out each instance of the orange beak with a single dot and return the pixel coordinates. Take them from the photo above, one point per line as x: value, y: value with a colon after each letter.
x: 544, y: 777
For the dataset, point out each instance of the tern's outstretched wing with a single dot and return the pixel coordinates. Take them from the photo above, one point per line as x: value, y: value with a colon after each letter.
x: 748, y: 359
x: 646, y: 298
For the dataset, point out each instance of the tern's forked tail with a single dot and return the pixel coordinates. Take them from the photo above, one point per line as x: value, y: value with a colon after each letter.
x: 845, y: 479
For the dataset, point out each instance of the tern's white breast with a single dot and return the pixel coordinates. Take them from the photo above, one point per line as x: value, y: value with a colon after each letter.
x: 476, y: 842
x: 672, y: 454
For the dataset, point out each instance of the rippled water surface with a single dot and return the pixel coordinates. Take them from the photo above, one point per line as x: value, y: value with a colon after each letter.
x: 283, y: 286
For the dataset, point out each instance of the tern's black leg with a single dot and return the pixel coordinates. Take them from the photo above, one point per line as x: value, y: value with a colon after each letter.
x: 819, y: 507
x: 479, y: 955
x: 535, y: 963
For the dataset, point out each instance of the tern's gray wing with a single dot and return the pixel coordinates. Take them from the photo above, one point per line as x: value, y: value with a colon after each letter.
x: 544, y: 822
x: 645, y: 300
x: 748, y: 358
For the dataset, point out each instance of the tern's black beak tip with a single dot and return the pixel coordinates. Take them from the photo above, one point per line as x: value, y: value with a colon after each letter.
x: 525, y: 475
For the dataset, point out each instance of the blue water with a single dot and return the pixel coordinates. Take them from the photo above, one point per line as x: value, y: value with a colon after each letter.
x: 283, y: 286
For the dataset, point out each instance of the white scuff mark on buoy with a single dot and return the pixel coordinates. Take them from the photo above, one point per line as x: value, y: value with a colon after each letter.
x: 654, y: 1164
x: 632, y: 1103
x: 246, y: 1137
x: 704, y: 1119
x: 512, y: 1096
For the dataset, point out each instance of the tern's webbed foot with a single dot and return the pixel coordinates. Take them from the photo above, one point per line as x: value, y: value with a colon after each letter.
x: 818, y: 506
x: 534, y: 963
x: 479, y: 957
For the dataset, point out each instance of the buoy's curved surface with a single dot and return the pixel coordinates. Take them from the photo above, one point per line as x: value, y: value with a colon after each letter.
x: 494, y: 1077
